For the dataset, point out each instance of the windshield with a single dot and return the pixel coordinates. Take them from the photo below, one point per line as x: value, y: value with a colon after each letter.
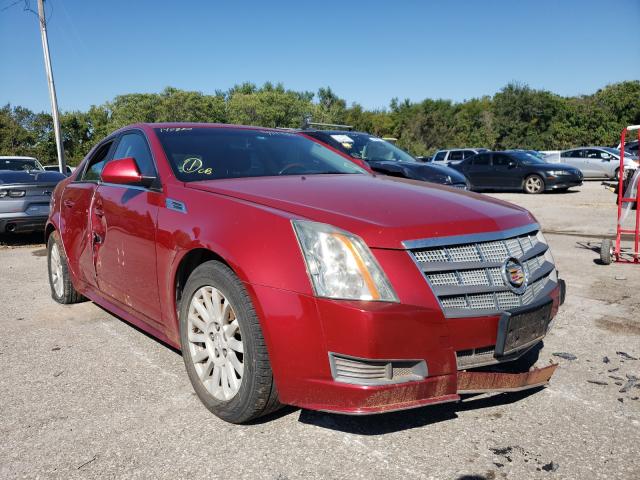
x: 527, y: 158
x: 216, y: 153
x: 370, y: 148
x: 615, y: 151
x: 19, y: 164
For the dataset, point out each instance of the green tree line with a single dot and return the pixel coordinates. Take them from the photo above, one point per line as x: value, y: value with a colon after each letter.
x: 515, y: 117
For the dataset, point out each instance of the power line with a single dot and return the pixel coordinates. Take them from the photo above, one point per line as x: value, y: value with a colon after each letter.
x: 13, y: 4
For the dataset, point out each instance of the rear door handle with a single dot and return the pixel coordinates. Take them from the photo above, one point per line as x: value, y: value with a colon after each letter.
x: 99, y: 212
x: 69, y: 203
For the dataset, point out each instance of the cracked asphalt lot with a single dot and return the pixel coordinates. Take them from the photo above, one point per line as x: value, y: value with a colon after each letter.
x: 85, y: 395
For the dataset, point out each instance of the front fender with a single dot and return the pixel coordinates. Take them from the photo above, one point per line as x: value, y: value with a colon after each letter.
x: 257, y: 242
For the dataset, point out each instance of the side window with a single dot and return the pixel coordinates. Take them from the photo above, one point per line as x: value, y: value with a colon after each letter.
x: 575, y: 154
x: 134, y: 145
x: 468, y: 153
x: 96, y: 164
x: 482, y: 159
x: 597, y: 154
x: 456, y: 155
x: 501, y: 160
x: 440, y: 156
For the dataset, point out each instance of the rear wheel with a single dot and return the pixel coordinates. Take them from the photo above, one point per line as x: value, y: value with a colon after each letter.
x: 223, y: 347
x: 62, y: 290
x: 534, y: 184
x: 606, y: 251
x: 616, y: 175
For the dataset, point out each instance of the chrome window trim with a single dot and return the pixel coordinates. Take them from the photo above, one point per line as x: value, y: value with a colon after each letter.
x: 469, y: 238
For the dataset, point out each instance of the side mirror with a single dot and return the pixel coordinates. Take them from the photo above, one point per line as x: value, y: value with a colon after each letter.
x: 125, y: 171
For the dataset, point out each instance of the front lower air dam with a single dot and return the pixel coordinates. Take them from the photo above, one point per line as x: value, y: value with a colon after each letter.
x: 487, y: 382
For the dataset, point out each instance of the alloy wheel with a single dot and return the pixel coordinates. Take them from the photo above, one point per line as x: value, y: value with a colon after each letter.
x: 215, y: 343
x: 533, y: 184
x: 57, y: 275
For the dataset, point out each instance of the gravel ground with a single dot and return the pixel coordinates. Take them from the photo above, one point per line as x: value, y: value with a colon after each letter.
x: 85, y: 395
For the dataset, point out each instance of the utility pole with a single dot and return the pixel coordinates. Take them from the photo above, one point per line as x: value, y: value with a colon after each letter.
x: 52, y: 88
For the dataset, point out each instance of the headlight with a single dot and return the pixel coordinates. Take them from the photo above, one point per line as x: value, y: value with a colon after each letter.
x: 17, y: 193
x: 340, y: 264
x: 555, y: 173
x: 3, y: 193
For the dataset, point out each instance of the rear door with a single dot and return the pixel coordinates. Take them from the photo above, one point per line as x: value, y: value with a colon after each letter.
x: 576, y: 158
x: 455, y: 156
x: 440, y: 156
x: 125, y: 234
x: 505, y: 172
x: 75, y: 215
x: 478, y: 170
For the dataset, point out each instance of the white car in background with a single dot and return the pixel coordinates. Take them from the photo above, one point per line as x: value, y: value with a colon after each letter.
x: 598, y: 162
x: 455, y: 155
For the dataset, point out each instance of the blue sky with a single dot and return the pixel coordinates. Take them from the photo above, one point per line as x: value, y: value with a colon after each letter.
x: 367, y: 51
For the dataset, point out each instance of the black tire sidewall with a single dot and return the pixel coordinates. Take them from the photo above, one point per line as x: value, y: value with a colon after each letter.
x: 219, y: 276
x: 605, y: 252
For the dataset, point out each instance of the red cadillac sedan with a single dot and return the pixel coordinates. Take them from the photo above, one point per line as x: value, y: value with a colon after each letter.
x: 288, y: 274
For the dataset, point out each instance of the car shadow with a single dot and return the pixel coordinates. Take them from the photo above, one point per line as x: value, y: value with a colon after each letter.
x: 21, y: 239
x: 385, y: 423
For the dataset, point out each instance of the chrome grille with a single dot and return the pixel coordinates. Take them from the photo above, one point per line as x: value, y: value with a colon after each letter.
x: 465, y: 273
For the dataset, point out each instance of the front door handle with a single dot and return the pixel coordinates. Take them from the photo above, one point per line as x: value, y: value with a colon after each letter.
x: 69, y: 203
x: 98, y: 212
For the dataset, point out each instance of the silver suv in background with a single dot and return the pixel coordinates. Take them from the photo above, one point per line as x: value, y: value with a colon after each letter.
x: 456, y: 155
x: 598, y: 162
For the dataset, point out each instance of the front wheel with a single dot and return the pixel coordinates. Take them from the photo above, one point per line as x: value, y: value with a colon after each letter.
x: 223, y: 347
x: 534, y: 184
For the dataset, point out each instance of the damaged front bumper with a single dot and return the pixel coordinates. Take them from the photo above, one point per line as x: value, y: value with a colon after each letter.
x: 488, y: 382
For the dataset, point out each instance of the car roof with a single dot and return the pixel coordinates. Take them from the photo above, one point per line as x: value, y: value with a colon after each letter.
x: 15, y: 157
x: 197, y: 125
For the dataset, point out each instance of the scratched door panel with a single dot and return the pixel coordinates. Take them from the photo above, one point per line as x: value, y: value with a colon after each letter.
x: 125, y: 252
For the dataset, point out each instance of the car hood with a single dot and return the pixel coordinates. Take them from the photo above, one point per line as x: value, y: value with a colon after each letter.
x: 436, y: 173
x: 13, y: 177
x: 384, y: 211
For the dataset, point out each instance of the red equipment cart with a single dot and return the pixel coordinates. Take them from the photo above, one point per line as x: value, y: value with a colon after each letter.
x: 608, y: 251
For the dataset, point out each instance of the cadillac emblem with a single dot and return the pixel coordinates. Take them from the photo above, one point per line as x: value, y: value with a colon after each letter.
x: 514, y: 275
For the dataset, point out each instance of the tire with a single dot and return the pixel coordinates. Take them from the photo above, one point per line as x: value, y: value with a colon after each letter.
x: 616, y: 175
x: 606, y: 251
x: 62, y: 290
x: 215, y: 344
x: 534, y: 184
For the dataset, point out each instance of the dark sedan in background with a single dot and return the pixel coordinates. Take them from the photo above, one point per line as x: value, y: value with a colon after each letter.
x: 25, y: 191
x: 384, y: 157
x: 517, y: 170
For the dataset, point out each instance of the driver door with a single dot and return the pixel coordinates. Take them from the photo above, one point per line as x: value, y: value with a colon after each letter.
x: 124, y: 232
x: 602, y: 163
